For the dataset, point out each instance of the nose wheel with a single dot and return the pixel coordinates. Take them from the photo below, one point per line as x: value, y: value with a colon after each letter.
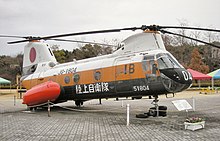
x: 157, y: 110
x: 154, y: 111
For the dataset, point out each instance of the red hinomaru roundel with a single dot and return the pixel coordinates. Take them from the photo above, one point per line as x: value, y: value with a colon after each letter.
x: 32, y: 54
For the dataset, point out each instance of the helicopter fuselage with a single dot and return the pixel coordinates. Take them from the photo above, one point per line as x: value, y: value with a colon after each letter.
x: 140, y: 67
x: 137, y: 74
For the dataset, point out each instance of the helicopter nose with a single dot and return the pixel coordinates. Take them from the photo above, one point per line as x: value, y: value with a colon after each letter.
x: 179, y: 75
x: 176, y: 79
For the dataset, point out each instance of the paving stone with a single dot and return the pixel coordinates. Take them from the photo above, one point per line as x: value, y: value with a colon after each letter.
x: 108, y: 121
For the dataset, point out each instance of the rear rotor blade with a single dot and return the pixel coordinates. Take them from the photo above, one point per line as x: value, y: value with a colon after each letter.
x: 21, y: 41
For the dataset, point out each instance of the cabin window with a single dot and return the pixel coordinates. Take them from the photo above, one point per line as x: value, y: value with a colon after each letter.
x: 76, y: 78
x: 97, y: 75
x: 67, y: 79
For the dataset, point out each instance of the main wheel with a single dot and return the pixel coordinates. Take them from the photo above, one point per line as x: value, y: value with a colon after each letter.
x: 162, y: 111
x: 152, y: 111
x: 32, y: 108
x: 78, y: 103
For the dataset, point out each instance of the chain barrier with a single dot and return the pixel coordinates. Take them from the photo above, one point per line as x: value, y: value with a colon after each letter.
x: 80, y: 110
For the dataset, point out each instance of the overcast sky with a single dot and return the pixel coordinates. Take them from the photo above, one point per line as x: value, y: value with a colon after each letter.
x: 49, y: 17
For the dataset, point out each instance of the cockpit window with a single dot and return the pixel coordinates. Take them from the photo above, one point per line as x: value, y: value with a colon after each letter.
x: 166, y: 61
x: 150, y: 57
x: 174, y: 61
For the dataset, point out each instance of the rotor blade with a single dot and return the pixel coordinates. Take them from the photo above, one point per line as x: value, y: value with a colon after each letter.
x: 80, y: 33
x: 168, y: 32
x: 28, y: 39
x: 91, y: 32
x: 192, y: 28
x: 77, y: 41
x: 20, y: 41
x: 9, y: 36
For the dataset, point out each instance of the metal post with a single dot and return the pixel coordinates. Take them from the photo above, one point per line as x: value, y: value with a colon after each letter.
x: 48, y: 105
x: 156, y: 106
x: 157, y: 110
x: 128, y: 115
x: 212, y: 83
x: 186, y: 113
x: 194, y: 104
x: 122, y: 103
x: 14, y: 100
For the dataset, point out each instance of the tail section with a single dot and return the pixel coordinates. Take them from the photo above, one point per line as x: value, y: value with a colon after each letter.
x: 35, y: 53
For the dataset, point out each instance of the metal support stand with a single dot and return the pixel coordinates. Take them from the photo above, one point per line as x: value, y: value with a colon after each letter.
x: 100, y: 101
x: 48, y: 106
x: 155, y: 103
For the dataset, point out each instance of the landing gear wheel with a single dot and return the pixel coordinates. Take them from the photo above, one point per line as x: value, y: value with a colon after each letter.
x: 142, y: 116
x: 162, y: 111
x: 78, y: 103
x: 33, y: 109
x: 152, y: 112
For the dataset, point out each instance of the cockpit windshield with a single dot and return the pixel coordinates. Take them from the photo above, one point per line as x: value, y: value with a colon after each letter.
x: 165, y: 61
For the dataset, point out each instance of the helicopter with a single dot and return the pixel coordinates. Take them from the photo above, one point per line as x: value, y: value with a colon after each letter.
x: 141, y: 66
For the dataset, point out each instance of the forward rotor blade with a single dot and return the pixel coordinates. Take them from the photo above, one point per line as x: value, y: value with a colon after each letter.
x: 191, y: 28
x: 77, y: 41
x: 168, y: 32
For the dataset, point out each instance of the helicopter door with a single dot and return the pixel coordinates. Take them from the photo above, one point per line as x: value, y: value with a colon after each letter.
x: 123, y: 81
x: 150, y: 68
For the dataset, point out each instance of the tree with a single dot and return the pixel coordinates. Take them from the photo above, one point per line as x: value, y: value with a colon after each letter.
x: 60, y: 56
x: 88, y: 51
x: 196, y: 62
x: 10, y: 67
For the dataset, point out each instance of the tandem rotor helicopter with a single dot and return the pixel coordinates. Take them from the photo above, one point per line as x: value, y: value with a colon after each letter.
x: 141, y: 66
